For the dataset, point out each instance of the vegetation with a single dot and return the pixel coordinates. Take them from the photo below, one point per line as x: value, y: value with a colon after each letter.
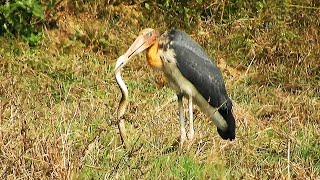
x: 58, y: 96
x: 18, y: 18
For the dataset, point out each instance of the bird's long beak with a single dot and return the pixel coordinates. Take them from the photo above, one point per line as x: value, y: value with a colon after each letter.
x: 140, y: 44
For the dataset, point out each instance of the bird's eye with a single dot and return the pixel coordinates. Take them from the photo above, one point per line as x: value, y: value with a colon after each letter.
x: 148, y: 34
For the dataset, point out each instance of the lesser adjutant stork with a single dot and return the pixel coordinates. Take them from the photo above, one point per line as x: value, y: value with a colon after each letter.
x: 190, y: 72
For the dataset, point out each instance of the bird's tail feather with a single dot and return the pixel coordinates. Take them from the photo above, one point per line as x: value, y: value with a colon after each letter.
x: 230, y: 133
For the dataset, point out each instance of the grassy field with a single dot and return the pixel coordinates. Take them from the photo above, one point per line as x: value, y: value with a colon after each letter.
x: 58, y: 100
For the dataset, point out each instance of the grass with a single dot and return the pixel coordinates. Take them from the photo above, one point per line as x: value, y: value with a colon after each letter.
x: 58, y: 102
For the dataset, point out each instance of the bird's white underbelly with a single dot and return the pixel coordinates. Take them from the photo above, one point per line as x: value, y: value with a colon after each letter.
x: 178, y: 82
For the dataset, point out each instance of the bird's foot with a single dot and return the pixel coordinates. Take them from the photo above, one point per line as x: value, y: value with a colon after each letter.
x: 190, y: 134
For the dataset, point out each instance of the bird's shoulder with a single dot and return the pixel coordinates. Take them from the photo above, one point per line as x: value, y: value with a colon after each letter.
x: 179, y: 40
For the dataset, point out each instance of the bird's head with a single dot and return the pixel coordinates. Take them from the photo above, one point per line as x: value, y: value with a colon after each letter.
x: 145, y: 39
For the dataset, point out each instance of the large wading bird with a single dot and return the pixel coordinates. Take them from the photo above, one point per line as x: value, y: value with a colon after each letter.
x: 189, y: 71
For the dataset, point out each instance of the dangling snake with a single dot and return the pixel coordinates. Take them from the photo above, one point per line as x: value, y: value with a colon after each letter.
x: 122, y: 104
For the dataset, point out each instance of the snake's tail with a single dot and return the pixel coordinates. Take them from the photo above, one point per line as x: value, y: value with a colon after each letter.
x: 122, y: 130
x: 121, y: 121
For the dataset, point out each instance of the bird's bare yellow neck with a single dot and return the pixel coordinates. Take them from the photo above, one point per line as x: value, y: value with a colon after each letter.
x: 153, y: 57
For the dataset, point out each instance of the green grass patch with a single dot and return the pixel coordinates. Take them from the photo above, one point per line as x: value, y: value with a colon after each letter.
x: 183, y: 167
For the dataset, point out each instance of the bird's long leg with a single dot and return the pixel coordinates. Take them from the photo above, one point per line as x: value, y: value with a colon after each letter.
x: 191, y: 129
x: 183, y: 134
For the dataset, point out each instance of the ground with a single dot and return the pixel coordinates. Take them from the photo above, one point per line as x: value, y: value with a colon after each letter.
x: 58, y: 100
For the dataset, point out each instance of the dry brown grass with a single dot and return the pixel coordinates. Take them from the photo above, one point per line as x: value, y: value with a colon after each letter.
x: 58, y: 103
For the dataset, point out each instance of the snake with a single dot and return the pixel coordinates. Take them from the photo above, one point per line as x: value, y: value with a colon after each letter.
x: 122, y: 104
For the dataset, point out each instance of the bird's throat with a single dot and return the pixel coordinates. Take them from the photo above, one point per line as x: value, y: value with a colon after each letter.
x: 153, y: 57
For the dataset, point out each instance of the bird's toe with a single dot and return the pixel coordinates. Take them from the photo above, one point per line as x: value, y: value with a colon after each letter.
x: 190, y: 135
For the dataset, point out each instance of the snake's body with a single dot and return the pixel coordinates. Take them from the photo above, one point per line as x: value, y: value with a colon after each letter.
x: 122, y: 104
